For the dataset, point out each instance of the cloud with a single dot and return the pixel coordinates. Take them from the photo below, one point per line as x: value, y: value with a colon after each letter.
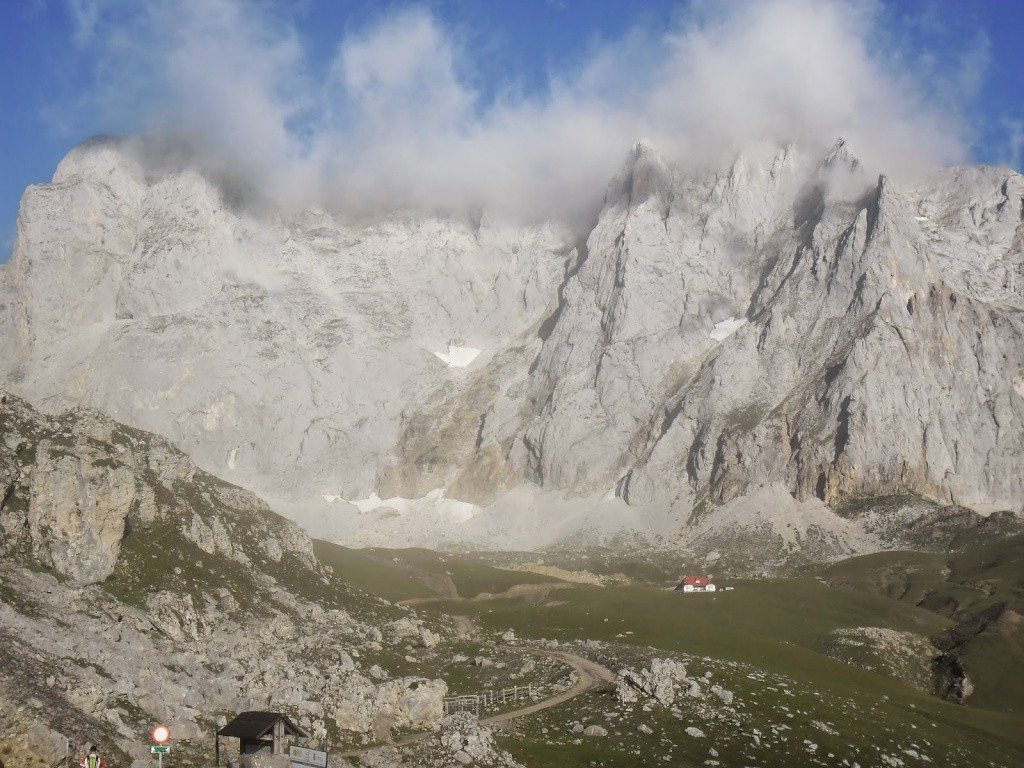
x: 794, y: 71
x: 392, y: 120
x: 1014, y: 142
x: 234, y: 80
x: 84, y: 16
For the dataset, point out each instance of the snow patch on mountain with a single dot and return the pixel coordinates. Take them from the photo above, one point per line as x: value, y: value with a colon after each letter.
x: 727, y: 328
x: 458, y: 357
x: 434, y: 503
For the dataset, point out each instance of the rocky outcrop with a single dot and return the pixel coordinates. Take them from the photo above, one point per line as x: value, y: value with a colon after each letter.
x: 75, y: 487
x: 405, y: 702
x: 65, y: 498
x: 467, y: 742
x: 950, y: 678
x: 77, y: 513
x: 175, y: 616
x: 904, y: 656
x: 663, y: 682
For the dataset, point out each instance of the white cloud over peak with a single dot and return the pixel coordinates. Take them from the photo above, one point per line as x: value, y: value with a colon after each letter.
x: 391, y: 123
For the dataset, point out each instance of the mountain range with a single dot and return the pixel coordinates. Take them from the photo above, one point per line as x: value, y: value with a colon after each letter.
x: 782, y: 367
x: 787, y: 356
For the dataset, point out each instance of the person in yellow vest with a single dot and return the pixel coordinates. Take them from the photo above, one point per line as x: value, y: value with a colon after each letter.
x: 93, y: 759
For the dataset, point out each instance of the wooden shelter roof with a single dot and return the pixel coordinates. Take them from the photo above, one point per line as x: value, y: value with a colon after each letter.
x: 256, y: 725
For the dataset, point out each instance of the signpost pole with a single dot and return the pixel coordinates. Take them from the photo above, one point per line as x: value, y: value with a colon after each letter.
x: 160, y: 736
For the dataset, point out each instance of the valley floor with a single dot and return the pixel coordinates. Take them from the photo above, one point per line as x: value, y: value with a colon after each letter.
x: 762, y: 683
x: 830, y: 668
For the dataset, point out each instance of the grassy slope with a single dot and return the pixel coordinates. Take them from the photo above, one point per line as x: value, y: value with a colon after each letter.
x: 995, y: 658
x: 403, y: 574
x: 957, y: 586
x: 368, y: 572
x: 647, y: 567
x: 470, y: 576
x: 761, y: 622
x: 905, y: 576
x: 770, y: 625
x: 773, y: 626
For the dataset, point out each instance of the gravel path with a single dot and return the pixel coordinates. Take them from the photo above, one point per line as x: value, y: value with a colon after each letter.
x: 591, y: 675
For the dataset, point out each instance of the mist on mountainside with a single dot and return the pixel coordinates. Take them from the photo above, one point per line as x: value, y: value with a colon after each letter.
x: 399, y: 120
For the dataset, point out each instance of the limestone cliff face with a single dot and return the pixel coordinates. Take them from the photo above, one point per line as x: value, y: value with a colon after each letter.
x: 671, y: 259
x: 77, y: 512
x: 787, y: 323
x: 64, y: 500
x: 883, y: 354
x: 839, y: 335
x: 279, y: 350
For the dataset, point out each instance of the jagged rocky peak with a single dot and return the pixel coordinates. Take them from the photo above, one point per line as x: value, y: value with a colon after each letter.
x: 842, y: 174
x: 841, y: 153
x: 838, y: 342
x: 662, y: 287
x: 754, y: 174
x: 645, y: 174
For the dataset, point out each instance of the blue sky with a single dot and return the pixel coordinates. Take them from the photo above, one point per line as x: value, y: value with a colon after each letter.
x: 377, y: 104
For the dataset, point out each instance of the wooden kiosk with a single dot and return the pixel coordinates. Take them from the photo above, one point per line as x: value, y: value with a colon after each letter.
x: 259, y: 733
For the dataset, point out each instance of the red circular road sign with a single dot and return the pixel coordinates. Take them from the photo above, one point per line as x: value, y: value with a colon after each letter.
x: 161, y: 734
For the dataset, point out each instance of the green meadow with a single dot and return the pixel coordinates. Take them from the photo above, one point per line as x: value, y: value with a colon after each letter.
x: 763, y: 640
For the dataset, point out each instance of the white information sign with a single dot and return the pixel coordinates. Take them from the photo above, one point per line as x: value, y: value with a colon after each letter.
x: 302, y: 757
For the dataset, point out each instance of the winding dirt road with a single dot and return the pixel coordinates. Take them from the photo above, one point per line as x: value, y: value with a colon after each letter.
x: 591, y: 675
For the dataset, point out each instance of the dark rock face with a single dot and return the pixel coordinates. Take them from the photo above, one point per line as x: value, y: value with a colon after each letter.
x: 969, y: 627
x: 951, y: 681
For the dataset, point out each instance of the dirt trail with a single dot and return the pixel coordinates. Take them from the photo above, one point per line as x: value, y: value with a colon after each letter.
x: 591, y: 675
